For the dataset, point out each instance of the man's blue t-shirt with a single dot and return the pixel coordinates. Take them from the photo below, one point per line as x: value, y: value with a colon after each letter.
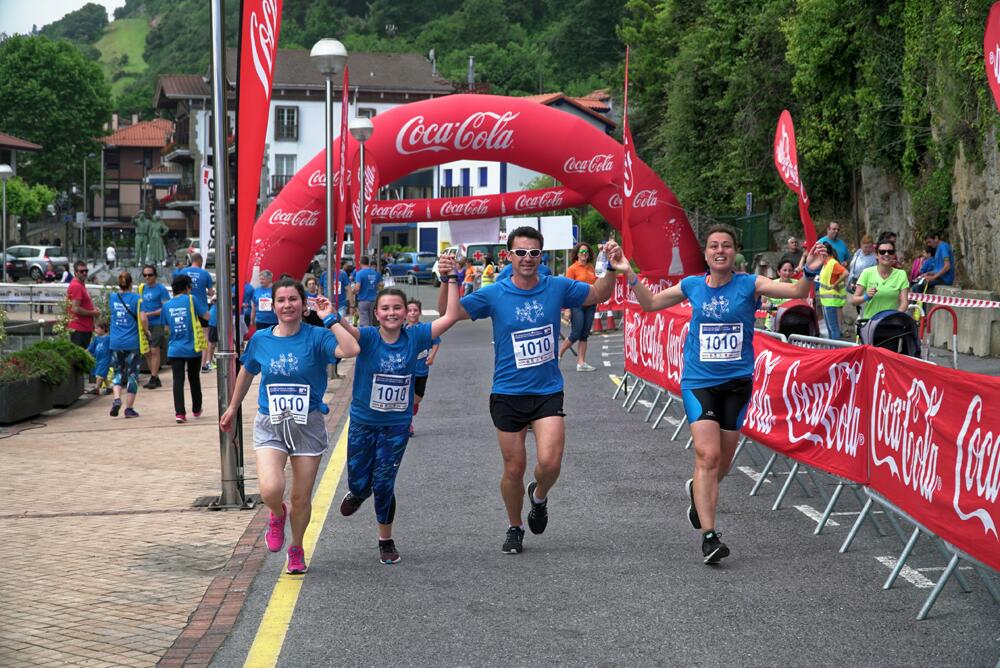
x: 247, y: 298
x: 124, y: 325
x: 719, y: 344
x: 543, y: 270
x: 383, y: 375
x: 100, y: 348
x: 177, y: 311
x: 422, y: 370
x: 343, y: 280
x: 264, y: 301
x: 839, y: 247
x: 526, y: 331
x: 290, y: 366
x: 153, y: 299
x: 213, y: 316
x: 367, y: 280
x: 201, y: 282
x: 944, y: 251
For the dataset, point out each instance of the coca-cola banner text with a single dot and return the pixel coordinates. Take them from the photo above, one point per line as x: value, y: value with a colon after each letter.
x: 470, y: 208
x: 502, y: 129
x: 619, y: 298
x: 786, y: 159
x: 991, y: 51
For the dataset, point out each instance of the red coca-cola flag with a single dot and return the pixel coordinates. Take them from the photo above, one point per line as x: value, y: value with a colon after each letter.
x: 628, y: 173
x: 260, y: 24
x: 786, y: 159
x: 991, y: 51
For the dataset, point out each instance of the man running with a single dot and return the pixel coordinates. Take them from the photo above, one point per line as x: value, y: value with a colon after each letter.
x: 527, y: 384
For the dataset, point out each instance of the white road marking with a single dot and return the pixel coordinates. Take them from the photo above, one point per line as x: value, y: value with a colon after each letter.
x: 815, y: 515
x: 607, y: 363
x: 605, y: 353
x: 911, y: 575
x: 752, y: 474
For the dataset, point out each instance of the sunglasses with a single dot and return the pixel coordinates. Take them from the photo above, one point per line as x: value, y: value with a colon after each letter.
x: 82, y: 271
x: 584, y: 251
x: 886, y: 251
x: 149, y: 275
x: 521, y: 252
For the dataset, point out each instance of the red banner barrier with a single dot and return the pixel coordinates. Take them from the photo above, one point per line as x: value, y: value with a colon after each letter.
x: 479, y: 206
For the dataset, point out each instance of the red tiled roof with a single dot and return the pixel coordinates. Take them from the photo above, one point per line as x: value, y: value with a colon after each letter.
x: 589, y: 106
x: 152, y: 134
x: 10, y: 141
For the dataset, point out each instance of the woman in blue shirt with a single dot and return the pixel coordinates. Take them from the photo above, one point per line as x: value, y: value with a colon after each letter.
x: 126, y: 321
x: 185, y: 345
x: 290, y: 423
x: 718, y: 362
x: 382, y: 403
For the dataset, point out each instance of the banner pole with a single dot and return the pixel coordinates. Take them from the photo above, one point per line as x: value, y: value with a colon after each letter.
x: 328, y: 143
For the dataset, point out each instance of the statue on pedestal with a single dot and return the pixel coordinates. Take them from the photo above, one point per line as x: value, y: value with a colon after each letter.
x: 156, y: 250
x: 141, y: 237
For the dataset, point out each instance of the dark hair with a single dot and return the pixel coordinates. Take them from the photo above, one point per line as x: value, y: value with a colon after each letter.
x: 284, y: 276
x: 417, y: 302
x: 103, y: 324
x: 886, y: 242
x: 78, y: 264
x: 180, y: 284
x: 288, y: 283
x: 724, y: 229
x: 885, y: 235
x: 933, y: 234
x: 365, y: 260
x: 125, y: 280
x: 150, y: 266
x: 390, y: 292
x: 829, y: 249
x: 784, y: 262
x: 575, y: 254
x: 929, y: 250
x: 526, y: 232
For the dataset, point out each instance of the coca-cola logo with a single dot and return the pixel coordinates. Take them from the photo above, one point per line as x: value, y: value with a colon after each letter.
x: 318, y: 179
x: 300, y: 218
x: 548, y: 200
x: 819, y: 412
x: 760, y: 414
x: 628, y: 179
x: 615, y: 201
x: 602, y: 162
x: 483, y: 130
x: 902, y: 433
x: 995, y: 62
x: 642, y: 341
x: 789, y: 170
x: 644, y: 198
x: 472, y: 207
x: 393, y: 210
x: 675, y: 350
x: 263, y: 44
x: 977, y: 469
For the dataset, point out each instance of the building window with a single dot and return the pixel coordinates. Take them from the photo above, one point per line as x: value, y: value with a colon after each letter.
x: 482, y: 177
x: 466, y: 181
x: 366, y: 112
x: 111, y: 198
x: 147, y: 158
x: 284, y: 165
x: 112, y: 159
x: 447, y: 178
x: 286, y: 123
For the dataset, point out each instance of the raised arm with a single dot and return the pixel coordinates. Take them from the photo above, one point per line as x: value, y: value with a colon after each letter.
x: 347, y: 336
x: 649, y: 301
x: 815, y: 260
x: 453, y: 310
x: 604, y: 287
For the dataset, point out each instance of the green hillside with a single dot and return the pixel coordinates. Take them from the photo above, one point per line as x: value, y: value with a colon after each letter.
x: 121, y: 50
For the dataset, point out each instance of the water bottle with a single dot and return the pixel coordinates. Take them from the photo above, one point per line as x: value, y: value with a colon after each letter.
x: 601, y: 265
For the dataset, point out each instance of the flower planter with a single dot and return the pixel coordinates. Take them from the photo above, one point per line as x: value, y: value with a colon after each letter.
x: 66, y: 393
x: 22, y: 399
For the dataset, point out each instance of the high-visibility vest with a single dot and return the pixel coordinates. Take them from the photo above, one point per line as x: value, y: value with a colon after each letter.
x: 831, y: 295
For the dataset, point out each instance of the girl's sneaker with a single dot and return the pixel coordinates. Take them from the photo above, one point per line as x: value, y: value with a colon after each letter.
x: 296, y: 560
x: 197, y: 414
x: 131, y: 413
x: 275, y: 536
x: 116, y: 406
x: 387, y: 553
x: 180, y: 418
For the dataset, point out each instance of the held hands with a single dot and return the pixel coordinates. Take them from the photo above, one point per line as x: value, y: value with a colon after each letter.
x: 446, y: 265
x: 616, y: 257
x: 816, y: 258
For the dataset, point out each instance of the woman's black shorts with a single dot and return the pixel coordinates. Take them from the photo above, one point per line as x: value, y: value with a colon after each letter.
x: 725, y: 403
x: 419, y: 385
x: 514, y: 412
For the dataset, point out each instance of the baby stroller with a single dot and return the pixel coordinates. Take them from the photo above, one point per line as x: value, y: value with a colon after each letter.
x: 796, y: 317
x: 893, y: 331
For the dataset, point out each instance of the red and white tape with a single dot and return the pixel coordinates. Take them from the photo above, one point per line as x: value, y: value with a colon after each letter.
x: 957, y: 302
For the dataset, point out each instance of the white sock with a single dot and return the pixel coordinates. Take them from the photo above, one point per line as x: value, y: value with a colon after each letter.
x: 536, y: 499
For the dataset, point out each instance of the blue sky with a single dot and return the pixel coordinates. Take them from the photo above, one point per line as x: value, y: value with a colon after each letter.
x: 17, y: 16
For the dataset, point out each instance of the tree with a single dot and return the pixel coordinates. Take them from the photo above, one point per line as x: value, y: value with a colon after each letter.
x: 28, y: 201
x: 84, y: 26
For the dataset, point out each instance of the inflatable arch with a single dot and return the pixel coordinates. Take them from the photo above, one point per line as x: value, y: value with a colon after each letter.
x: 491, y: 128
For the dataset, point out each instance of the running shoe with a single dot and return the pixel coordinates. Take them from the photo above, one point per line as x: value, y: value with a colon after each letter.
x: 180, y: 418
x: 151, y: 384
x: 116, y: 406
x: 712, y: 548
x: 296, y: 560
x: 275, y: 536
x: 350, y: 504
x: 107, y: 391
x: 387, y: 553
x: 197, y: 414
x: 538, y: 516
x: 131, y: 413
x: 206, y: 369
x: 515, y: 536
x: 585, y: 367
x: 692, y: 511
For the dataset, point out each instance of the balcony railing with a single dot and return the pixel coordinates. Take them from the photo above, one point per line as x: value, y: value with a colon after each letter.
x: 279, y: 181
x: 456, y: 191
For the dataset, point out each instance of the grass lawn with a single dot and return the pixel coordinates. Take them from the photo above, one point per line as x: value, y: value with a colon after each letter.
x: 124, y: 36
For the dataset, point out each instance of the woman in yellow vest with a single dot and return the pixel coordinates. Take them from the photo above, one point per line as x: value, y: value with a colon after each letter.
x: 786, y: 270
x: 832, y: 292
x: 489, y: 275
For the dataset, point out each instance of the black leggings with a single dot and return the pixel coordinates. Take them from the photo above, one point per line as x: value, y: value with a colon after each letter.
x: 193, y: 364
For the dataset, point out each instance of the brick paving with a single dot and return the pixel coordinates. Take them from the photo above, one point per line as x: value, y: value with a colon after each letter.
x: 109, y: 564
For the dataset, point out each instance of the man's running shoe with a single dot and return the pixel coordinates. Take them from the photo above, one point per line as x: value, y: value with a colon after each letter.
x: 515, y: 536
x: 712, y: 548
x: 131, y: 413
x: 296, y: 560
x: 116, y: 406
x: 585, y: 367
x: 275, y: 536
x: 538, y: 516
x: 692, y: 511
x: 180, y: 418
x: 387, y: 553
x: 350, y: 504
x: 206, y: 369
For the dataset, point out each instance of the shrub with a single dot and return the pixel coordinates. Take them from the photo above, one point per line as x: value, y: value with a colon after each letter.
x: 51, y: 360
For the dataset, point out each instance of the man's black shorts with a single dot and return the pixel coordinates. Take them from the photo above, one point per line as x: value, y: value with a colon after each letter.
x: 419, y: 385
x: 514, y: 412
x: 213, y: 334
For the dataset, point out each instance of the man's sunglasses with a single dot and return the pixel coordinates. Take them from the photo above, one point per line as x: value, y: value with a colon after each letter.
x: 149, y: 275
x: 82, y: 271
x: 886, y: 251
x: 521, y: 252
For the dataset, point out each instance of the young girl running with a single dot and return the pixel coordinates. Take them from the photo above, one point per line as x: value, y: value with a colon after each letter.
x: 424, y: 359
x: 382, y: 403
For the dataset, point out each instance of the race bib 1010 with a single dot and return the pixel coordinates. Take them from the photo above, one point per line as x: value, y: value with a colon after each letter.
x: 288, y: 399
x: 390, y: 393
x: 533, y: 346
x: 720, y: 343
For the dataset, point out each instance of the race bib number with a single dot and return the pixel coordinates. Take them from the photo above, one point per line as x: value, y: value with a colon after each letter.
x: 390, y: 393
x: 533, y: 346
x: 721, y: 343
x: 264, y: 304
x: 290, y: 399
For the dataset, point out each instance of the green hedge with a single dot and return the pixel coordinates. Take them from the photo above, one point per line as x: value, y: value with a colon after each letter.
x: 52, y: 360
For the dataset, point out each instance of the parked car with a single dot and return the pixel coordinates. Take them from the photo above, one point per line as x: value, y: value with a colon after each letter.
x: 31, y: 261
x: 413, y: 266
x: 189, y: 247
x: 318, y: 264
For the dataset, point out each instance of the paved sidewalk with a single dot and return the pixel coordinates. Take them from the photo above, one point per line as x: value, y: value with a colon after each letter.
x: 107, y: 557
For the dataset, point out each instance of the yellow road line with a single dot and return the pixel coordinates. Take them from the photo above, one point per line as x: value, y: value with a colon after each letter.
x: 615, y: 379
x: 278, y: 616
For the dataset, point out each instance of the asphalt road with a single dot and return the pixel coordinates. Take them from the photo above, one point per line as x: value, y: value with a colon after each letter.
x: 617, y: 578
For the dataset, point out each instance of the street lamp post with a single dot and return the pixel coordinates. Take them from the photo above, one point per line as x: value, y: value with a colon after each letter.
x: 104, y: 210
x: 5, y: 173
x: 361, y: 129
x: 330, y: 56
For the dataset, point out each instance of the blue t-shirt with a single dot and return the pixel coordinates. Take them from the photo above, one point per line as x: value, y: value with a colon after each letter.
x: 178, y: 314
x: 367, y: 280
x: 213, y: 316
x: 422, y: 370
x: 201, y: 282
x: 383, y: 375
x: 543, y: 270
x: 153, y: 299
x: 719, y: 344
x: 290, y: 364
x: 526, y: 331
x: 247, y: 298
x: 944, y: 251
x: 342, y: 279
x: 264, y: 301
x: 124, y: 324
x: 100, y: 348
x: 839, y: 247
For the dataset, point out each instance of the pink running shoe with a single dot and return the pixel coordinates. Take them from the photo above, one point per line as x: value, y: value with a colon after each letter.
x: 180, y: 418
x: 275, y: 536
x: 296, y: 560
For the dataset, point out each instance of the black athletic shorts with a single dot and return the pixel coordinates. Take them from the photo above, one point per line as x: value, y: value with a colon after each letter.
x: 725, y: 403
x: 419, y: 385
x: 514, y: 412
x: 213, y: 334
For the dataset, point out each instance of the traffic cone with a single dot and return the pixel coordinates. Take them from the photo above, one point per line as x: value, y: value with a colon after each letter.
x: 596, y: 328
x: 610, y: 324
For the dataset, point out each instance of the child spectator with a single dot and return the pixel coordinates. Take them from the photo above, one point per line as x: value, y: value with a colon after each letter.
x: 100, y: 348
